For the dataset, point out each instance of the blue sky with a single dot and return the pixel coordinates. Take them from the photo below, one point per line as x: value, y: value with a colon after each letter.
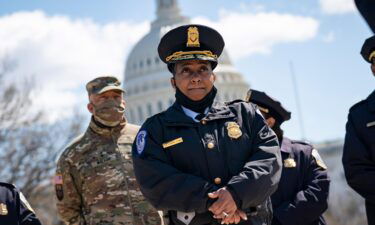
x: 330, y: 73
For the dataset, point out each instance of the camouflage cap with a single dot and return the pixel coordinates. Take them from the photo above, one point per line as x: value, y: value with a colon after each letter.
x: 102, y: 84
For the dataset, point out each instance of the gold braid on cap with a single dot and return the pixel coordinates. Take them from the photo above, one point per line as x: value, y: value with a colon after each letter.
x: 372, y: 55
x: 181, y: 55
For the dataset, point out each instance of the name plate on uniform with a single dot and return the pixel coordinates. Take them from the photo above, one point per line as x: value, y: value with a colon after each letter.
x: 173, y: 142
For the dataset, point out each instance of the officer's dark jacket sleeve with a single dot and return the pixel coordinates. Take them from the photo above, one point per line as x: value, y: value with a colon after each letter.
x: 312, y: 200
x: 18, y: 210
x: 260, y: 175
x: 367, y: 9
x: 358, y: 161
x: 27, y: 217
x: 162, y: 184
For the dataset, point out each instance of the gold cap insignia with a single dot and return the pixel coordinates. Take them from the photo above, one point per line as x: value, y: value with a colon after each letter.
x: 290, y: 163
x: 234, y: 130
x: 372, y: 55
x: 193, y: 37
x: 3, y: 209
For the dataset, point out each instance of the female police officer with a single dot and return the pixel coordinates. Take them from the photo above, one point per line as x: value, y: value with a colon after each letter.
x: 302, y: 194
x: 205, y: 163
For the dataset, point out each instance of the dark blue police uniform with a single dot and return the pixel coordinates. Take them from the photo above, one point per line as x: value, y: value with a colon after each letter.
x: 359, y: 152
x: 178, y: 161
x: 359, y: 148
x: 14, y: 209
x: 367, y: 10
x: 301, y: 197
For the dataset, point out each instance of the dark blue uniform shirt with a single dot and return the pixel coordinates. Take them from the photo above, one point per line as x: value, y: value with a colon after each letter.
x: 302, y: 195
x: 177, y: 161
x: 359, y: 152
x: 14, y: 210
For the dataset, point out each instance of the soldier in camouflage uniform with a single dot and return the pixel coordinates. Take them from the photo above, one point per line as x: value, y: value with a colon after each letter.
x: 94, y: 180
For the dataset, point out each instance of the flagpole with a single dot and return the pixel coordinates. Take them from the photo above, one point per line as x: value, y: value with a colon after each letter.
x: 296, y: 96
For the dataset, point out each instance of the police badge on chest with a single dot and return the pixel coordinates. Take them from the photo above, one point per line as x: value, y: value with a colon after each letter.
x: 234, y: 130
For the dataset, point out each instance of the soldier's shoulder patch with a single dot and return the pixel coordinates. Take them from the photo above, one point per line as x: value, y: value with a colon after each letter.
x: 141, y: 141
x: 58, y: 179
x: 318, y: 159
x: 59, y: 190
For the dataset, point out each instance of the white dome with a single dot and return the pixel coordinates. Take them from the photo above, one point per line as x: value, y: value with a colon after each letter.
x: 147, y: 77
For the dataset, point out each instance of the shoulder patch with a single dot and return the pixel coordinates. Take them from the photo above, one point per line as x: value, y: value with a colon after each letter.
x: 141, y: 141
x: 318, y: 159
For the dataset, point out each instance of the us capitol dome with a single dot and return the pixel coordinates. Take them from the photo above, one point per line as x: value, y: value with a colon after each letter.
x: 147, y: 79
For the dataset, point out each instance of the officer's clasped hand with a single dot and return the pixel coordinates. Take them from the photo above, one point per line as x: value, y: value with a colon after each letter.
x: 225, y: 208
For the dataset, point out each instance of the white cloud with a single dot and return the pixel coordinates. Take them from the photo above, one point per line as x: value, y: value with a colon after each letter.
x: 248, y: 33
x: 337, y: 6
x: 64, y: 54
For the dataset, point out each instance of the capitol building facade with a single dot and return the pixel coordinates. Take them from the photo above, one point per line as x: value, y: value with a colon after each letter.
x: 147, y: 79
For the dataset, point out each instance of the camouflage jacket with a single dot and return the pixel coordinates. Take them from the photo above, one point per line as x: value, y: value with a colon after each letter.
x: 95, y: 181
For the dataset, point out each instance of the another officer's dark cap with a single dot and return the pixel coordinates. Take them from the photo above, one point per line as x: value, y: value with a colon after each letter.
x: 191, y: 42
x: 368, y: 49
x: 102, y: 84
x: 268, y: 105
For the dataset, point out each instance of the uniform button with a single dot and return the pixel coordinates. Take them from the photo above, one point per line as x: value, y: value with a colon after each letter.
x: 210, y: 145
x: 217, y: 180
x: 204, y: 122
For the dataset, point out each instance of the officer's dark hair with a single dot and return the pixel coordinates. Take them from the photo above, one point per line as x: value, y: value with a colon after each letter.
x: 278, y: 131
x: 276, y: 127
x: 172, y: 68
